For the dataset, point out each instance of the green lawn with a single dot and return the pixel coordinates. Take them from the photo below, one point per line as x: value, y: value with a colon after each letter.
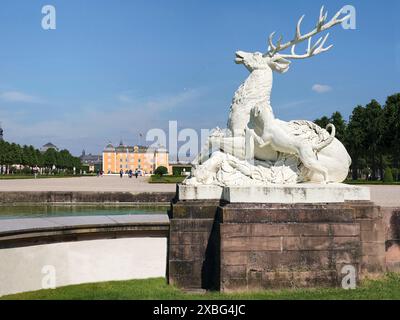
x: 365, y: 182
x: 386, y: 288
x: 166, y: 179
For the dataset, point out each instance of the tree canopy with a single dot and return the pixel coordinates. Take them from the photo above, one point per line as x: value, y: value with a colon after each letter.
x: 371, y: 136
x: 12, y: 154
x: 161, y: 170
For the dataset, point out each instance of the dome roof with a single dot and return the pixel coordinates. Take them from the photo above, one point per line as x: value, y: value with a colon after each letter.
x: 49, y: 145
x: 109, y: 147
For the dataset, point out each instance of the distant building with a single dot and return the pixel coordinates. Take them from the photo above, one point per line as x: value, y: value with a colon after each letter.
x: 48, y: 146
x: 135, y: 158
x: 94, y: 162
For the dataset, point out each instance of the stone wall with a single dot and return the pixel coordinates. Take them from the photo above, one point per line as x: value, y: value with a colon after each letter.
x: 391, y: 218
x: 372, y: 236
x: 76, y: 197
x: 193, y: 256
x: 289, y: 246
x: 259, y: 246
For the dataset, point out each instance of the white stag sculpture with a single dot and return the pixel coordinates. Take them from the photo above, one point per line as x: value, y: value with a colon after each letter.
x: 257, y: 148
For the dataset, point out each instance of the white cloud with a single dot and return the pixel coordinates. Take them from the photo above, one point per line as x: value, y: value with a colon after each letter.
x: 17, y: 96
x: 321, y: 88
x: 124, y: 98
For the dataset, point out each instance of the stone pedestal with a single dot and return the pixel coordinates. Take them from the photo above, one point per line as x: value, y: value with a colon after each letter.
x: 194, y: 245
x: 285, y: 193
x: 217, y: 245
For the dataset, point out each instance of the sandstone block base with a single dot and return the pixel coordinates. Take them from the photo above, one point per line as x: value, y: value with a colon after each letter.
x: 217, y: 245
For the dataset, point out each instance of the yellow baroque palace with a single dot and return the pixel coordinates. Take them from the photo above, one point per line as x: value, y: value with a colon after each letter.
x: 135, y: 158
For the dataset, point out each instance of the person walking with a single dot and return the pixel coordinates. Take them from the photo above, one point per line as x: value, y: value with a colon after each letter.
x: 136, y: 174
x: 121, y: 173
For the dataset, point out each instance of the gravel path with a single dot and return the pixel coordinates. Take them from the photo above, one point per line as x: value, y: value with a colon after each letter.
x: 386, y: 196
x: 106, y: 183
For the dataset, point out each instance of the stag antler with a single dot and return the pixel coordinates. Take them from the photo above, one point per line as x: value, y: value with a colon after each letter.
x: 312, y: 50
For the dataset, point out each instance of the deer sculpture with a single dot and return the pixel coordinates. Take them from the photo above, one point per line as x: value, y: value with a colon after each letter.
x: 256, y: 90
x: 255, y: 93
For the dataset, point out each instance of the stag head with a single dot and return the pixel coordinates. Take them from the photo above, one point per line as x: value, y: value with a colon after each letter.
x: 258, y: 61
x: 276, y: 61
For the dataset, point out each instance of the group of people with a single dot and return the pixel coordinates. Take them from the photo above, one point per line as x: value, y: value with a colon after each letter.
x: 130, y: 173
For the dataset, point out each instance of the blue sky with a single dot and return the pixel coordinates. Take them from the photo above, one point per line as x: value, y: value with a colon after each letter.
x: 113, y: 69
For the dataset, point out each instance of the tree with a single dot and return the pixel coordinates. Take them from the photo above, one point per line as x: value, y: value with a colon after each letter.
x: 372, y: 137
x: 395, y: 173
x: 373, y: 126
x: 33, y: 156
x: 322, y: 122
x: 388, y: 175
x: 337, y: 120
x: 161, y: 170
x: 12, y: 154
x: 354, y: 140
x: 391, y: 128
x: 50, y: 158
x: 40, y: 158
